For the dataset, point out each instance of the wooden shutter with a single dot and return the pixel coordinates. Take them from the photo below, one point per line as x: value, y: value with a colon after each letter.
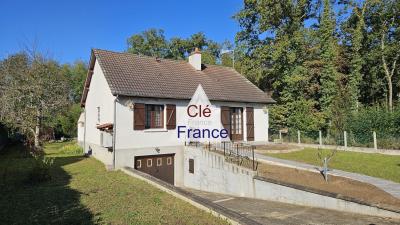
x: 250, y: 123
x: 139, y: 116
x: 171, y: 117
x: 225, y: 118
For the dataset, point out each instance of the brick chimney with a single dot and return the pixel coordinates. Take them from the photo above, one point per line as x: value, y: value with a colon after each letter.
x: 195, y: 59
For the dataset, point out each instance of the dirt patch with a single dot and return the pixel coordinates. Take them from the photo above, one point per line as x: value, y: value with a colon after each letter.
x: 339, y: 185
x: 277, y: 148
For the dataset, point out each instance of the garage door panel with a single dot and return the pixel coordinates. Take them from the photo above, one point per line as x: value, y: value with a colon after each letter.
x: 159, y: 166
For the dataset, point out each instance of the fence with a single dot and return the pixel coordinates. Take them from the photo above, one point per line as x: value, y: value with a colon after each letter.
x: 368, y: 139
x: 238, y: 153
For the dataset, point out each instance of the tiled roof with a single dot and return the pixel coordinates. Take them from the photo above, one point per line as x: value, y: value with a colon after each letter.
x: 142, y: 76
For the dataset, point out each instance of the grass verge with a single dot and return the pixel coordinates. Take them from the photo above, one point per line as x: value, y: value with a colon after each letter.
x: 375, y: 165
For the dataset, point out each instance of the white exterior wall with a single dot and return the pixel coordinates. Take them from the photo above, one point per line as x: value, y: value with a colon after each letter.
x: 99, y: 95
x: 127, y: 137
x: 129, y: 142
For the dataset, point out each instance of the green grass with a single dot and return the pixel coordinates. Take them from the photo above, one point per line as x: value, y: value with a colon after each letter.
x: 376, y: 165
x: 82, y: 192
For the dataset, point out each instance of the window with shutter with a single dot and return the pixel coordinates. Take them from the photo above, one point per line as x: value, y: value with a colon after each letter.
x: 171, y: 117
x: 250, y: 123
x: 225, y: 118
x: 139, y: 117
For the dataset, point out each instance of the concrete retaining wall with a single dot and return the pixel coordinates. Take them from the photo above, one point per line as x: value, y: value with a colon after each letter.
x: 213, y: 174
x: 267, y: 190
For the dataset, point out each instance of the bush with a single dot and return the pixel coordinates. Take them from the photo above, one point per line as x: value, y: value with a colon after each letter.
x: 41, y: 169
x: 71, y: 149
x: 363, y: 123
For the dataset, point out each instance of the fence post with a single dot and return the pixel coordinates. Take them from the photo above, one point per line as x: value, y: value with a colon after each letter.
x: 280, y: 135
x: 345, y: 139
x: 375, y: 142
x: 298, y: 137
x: 320, y: 137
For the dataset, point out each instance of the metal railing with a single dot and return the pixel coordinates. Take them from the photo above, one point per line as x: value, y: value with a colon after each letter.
x: 239, y: 153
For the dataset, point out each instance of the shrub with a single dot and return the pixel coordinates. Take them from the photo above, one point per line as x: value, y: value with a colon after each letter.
x: 41, y: 169
x: 72, y: 149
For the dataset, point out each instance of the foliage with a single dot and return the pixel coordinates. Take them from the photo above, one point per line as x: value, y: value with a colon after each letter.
x: 73, y: 149
x: 41, y: 169
x: 322, y: 59
x: 152, y: 42
x: 65, y: 123
x: 362, y: 123
x: 33, y: 89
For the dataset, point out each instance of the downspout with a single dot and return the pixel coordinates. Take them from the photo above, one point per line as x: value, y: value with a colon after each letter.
x: 114, y: 129
x: 84, y: 132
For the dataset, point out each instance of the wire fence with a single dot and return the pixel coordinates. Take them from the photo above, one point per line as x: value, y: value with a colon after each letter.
x: 369, y: 139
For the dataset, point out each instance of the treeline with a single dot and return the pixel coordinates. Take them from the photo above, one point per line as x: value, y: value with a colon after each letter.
x: 326, y: 62
x: 39, y: 97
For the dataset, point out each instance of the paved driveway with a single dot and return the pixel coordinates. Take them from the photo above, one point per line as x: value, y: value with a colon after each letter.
x: 268, y: 212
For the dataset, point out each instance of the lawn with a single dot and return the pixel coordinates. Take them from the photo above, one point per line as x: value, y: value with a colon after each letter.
x: 376, y: 165
x: 81, y: 191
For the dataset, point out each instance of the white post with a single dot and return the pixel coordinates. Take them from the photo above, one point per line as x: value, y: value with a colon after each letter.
x: 375, y: 142
x: 280, y: 135
x: 298, y: 137
x: 320, y: 137
x: 345, y: 139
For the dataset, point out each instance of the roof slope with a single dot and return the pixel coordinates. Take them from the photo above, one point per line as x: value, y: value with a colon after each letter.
x: 142, y: 76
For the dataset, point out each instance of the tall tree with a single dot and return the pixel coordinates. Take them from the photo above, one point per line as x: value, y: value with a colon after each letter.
x: 328, y: 43
x: 33, y: 91
x: 356, y: 62
x: 150, y: 42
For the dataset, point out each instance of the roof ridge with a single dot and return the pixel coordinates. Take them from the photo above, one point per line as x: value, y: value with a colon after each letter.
x: 140, y: 55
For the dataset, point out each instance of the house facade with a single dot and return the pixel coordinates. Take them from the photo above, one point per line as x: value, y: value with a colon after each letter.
x: 134, y: 106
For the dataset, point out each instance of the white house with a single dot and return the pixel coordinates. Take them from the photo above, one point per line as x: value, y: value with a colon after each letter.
x: 134, y: 104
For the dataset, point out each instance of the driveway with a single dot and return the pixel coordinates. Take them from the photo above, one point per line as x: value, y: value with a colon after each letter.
x: 268, y: 212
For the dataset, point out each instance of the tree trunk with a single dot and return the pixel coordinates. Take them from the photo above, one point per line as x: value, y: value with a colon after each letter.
x: 37, y: 130
x: 390, y: 90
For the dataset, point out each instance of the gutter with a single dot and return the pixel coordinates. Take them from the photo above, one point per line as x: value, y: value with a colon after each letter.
x: 114, y: 129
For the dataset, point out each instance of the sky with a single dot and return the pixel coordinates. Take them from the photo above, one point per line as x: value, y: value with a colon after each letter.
x: 67, y: 30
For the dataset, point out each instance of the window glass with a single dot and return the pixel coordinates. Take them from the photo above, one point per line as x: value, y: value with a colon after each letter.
x: 149, y: 162
x: 154, y: 116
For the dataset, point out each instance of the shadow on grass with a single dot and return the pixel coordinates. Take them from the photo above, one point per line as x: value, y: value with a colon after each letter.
x: 52, y: 202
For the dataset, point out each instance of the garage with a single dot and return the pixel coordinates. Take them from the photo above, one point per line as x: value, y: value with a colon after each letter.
x: 159, y: 166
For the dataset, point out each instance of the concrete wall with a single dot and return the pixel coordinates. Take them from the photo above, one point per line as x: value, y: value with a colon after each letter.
x: 280, y: 193
x: 212, y: 173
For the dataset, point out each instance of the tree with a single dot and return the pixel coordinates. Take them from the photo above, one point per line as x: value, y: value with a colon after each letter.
x: 328, y: 42
x: 356, y: 62
x: 33, y: 90
x: 150, y: 42
x: 76, y: 75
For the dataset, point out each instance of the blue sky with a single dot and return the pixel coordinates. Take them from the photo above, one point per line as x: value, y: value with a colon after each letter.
x: 67, y: 30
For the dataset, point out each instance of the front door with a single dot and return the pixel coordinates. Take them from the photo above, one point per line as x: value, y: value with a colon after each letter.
x: 159, y: 166
x: 236, y: 124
